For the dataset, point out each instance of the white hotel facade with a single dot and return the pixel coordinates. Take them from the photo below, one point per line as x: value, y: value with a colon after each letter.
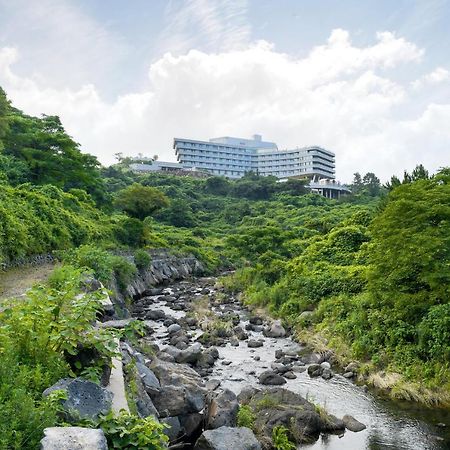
x: 233, y: 157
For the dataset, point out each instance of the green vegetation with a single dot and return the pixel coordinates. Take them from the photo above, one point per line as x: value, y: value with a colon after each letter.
x: 39, y: 335
x: 371, y: 271
x: 281, y: 440
x: 246, y: 417
x: 131, y: 432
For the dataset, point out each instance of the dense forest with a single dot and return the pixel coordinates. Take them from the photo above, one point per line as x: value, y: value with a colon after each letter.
x: 367, y: 276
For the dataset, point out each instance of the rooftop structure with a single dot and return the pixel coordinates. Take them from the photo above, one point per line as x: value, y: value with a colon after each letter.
x: 232, y: 157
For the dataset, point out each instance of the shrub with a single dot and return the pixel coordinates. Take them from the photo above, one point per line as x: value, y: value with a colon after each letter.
x: 142, y: 259
x: 246, y: 417
x: 132, y: 432
x: 280, y: 439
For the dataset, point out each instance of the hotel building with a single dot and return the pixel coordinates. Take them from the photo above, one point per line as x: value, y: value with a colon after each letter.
x: 233, y: 157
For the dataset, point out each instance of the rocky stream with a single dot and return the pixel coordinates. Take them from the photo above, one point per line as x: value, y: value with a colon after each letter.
x: 204, y: 355
x: 210, y: 352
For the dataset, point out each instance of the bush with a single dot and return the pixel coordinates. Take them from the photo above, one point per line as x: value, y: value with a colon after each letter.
x: 246, y: 417
x: 35, y: 335
x: 142, y: 259
x: 132, y: 432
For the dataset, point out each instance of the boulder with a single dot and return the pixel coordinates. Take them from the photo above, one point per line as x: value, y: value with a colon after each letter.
x: 73, y: 438
x: 222, y: 410
x: 281, y: 407
x: 174, y: 430
x: 256, y: 320
x: 173, y: 328
x: 352, y: 424
x: 190, y: 355
x: 227, y: 438
x: 182, y: 389
x: 290, y: 375
x: 144, y: 404
x: 151, y: 383
x: 315, y: 370
x: 269, y: 377
x: 276, y: 330
x: 155, y: 314
x: 327, y: 374
x: 85, y: 399
x: 253, y: 343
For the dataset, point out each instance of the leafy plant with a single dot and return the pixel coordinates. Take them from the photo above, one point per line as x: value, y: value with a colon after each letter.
x: 132, y: 432
x: 280, y: 439
x: 246, y: 417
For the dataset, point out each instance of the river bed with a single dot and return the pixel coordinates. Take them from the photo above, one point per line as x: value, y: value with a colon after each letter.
x: 390, y: 424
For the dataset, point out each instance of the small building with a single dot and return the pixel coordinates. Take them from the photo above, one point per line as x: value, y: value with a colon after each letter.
x: 167, y: 167
x: 329, y: 188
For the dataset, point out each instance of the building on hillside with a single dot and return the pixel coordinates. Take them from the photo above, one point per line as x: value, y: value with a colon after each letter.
x: 155, y: 166
x: 233, y: 157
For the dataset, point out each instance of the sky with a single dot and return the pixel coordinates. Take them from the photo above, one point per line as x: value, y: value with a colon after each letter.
x: 368, y: 80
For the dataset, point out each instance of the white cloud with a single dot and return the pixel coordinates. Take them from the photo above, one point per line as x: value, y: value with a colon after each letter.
x: 340, y: 96
x: 439, y: 75
x: 218, y: 24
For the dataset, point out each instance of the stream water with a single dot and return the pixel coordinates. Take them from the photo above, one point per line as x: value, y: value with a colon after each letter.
x: 390, y: 424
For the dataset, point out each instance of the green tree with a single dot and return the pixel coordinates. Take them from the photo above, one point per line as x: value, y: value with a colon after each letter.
x: 217, y: 185
x: 357, y: 185
x: 140, y: 201
x: 372, y: 184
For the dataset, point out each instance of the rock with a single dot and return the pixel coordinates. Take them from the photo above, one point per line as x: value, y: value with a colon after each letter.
x: 85, y: 399
x: 252, y: 343
x: 276, y: 330
x: 352, y: 424
x: 226, y: 363
x: 155, y: 314
x: 348, y: 375
x: 279, y: 354
x: 191, y: 423
x: 327, y: 374
x: 240, y: 333
x: 234, y: 342
x: 256, y: 320
x: 280, y: 368
x: 174, y: 431
x: 315, y: 370
x: 144, y: 404
x: 173, y: 328
x: 271, y: 378
x: 281, y: 407
x: 182, y: 389
x: 190, y: 355
x: 73, y: 438
x: 222, y: 410
x: 290, y: 375
x: 298, y: 369
x: 213, y: 384
x: 227, y: 438
x: 257, y: 358
x: 326, y: 365
x: 352, y: 367
x: 151, y: 383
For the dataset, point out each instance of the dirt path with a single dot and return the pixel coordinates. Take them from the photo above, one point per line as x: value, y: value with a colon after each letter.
x: 16, y: 282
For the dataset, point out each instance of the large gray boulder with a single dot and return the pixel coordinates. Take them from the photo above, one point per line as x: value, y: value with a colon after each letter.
x: 222, y: 410
x: 281, y: 407
x: 151, y: 383
x: 352, y: 424
x: 85, y: 399
x: 190, y: 355
x: 73, y: 438
x: 269, y: 377
x: 226, y: 438
x: 182, y: 389
x: 276, y: 330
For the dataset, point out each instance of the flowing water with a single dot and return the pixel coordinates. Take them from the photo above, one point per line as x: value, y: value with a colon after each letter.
x: 390, y: 424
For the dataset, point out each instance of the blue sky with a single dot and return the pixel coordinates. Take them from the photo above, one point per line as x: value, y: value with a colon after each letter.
x: 369, y: 80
